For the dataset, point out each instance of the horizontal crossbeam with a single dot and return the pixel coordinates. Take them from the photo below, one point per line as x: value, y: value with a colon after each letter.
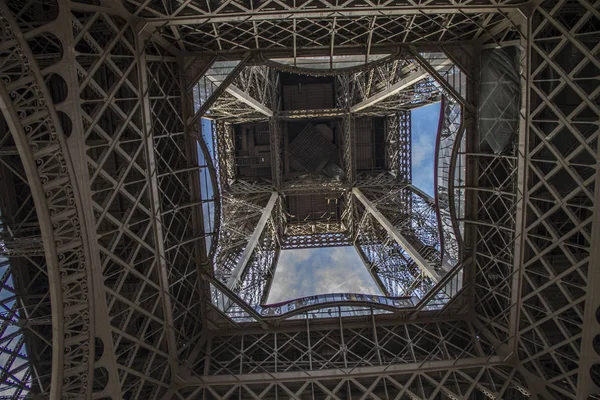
x: 329, y: 13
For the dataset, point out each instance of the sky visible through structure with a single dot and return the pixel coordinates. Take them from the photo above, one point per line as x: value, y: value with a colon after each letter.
x: 424, y: 122
x: 307, y: 272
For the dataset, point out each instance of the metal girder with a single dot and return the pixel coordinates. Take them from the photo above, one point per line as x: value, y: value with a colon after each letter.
x: 257, y: 358
x: 219, y: 90
x: 304, y: 114
x: 326, y: 29
x: 32, y: 118
x: 162, y: 273
x: 402, y: 84
x: 275, y: 146
x: 433, y: 71
x: 359, y: 372
x: 80, y: 105
x: 246, y: 99
x: 345, y: 11
x: 240, y: 268
x: 590, y: 337
x: 243, y: 96
x: 421, y: 261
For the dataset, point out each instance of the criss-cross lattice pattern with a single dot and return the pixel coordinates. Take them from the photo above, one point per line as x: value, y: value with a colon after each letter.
x: 108, y: 289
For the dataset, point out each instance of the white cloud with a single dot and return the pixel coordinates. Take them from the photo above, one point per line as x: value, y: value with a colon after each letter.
x: 424, y: 122
x: 308, y: 272
x: 422, y: 150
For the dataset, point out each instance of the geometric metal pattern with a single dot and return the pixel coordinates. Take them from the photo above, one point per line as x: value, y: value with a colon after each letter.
x: 106, y: 279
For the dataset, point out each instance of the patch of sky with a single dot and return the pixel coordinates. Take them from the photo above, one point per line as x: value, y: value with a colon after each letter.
x: 308, y: 272
x: 424, y: 122
x: 206, y: 185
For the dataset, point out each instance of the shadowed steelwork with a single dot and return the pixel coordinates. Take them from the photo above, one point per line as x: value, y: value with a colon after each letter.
x: 138, y: 245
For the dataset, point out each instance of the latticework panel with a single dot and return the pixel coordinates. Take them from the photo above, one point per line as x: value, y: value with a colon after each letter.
x: 397, y: 274
x: 240, y: 216
x: 179, y: 197
x: 124, y: 196
x: 99, y: 177
x: 26, y: 317
x: 407, y: 354
x: 556, y: 303
x: 462, y: 382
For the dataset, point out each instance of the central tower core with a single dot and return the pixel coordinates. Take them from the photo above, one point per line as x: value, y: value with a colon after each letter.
x: 318, y: 155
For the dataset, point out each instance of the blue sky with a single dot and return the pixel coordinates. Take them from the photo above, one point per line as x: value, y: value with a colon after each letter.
x: 424, y: 122
x: 307, y: 272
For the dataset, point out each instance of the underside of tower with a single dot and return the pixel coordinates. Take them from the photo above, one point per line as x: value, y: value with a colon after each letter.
x: 157, y: 157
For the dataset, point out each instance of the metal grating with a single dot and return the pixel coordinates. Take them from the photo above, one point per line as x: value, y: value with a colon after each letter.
x: 311, y: 149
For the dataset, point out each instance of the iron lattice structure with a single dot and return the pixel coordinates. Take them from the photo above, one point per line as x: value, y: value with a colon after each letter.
x: 136, y: 255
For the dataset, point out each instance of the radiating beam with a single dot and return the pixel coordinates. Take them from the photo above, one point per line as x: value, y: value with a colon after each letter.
x: 250, y: 101
x: 397, y: 87
x: 423, y: 264
x: 402, y: 84
x: 240, y: 268
x: 245, y: 98
x: 219, y: 90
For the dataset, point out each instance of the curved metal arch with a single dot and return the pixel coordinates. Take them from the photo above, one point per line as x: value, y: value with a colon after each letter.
x: 451, y: 197
x: 48, y: 241
x: 451, y: 169
x: 38, y: 193
x: 361, y: 300
x: 53, y: 182
x: 372, y: 306
x: 436, y: 196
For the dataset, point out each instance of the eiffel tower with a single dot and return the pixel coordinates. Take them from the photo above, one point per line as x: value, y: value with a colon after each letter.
x: 158, y: 156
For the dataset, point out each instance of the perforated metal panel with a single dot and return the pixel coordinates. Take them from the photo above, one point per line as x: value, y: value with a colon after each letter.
x: 311, y: 149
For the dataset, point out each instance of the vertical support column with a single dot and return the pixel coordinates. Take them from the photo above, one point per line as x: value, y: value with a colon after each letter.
x: 392, y: 144
x: 343, y: 346
x: 423, y: 263
x: 376, y: 338
x: 591, y: 321
x: 194, y: 132
x: 405, y: 148
x: 308, y: 335
x: 398, y: 146
x: 343, y: 102
x: 521, y: 190
x: 226, y: 150
x: 155, y: 209
x: 275, y: 129
x: 275, y: 142
x: 348, y: 142
x: 240, y: 268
